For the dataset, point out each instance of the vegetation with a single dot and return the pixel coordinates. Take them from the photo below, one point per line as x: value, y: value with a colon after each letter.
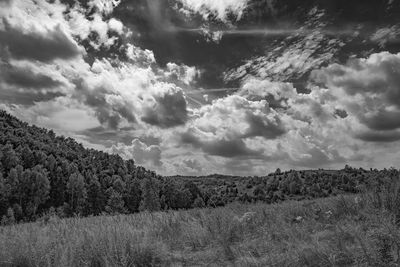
x: 41, y: 172
x: 352, y: 230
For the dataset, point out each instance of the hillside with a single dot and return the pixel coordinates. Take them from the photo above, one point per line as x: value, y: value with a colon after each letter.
x: 41, y: 173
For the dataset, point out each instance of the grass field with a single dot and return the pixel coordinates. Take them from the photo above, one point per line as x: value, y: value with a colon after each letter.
x: 338, y: 231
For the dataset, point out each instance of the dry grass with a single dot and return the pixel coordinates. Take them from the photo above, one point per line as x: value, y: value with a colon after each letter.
x: 340, y: 231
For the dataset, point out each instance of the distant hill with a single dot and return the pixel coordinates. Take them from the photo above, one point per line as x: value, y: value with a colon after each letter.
x: 288, y: 185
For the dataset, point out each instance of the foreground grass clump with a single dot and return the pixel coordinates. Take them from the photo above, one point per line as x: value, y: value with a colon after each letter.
x: 340, y: 231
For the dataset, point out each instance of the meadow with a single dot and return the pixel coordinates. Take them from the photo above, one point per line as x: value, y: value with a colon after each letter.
x: 347, y: 230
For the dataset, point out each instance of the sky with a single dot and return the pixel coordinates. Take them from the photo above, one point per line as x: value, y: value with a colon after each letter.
x: 196, y: 87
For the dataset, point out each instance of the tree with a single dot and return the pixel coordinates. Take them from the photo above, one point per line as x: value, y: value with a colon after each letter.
x: 27, y: 157
x: 18, y: 213
x: 133, y: 195
x: 4, y: 193
x: 77, y: 192
x: 259, y: 193
x: 14, y: 183
x: 169, y: 192
x: 10, y: 158
x: 199, y: 202
x: 58, y: 187
x: 95, y: 196
x: 294, y: 183
x: 118, y: 184
x: 193, y: 189
x: 8, y: 218
x: 115, y: 203
x: 35, y: 189
x: 150, y: 190
x: 182, y: 199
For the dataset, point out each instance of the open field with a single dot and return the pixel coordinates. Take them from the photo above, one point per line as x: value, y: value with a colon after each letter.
x: 338, y: 231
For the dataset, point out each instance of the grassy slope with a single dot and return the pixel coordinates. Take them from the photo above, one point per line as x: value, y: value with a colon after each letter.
x: 334, y: 231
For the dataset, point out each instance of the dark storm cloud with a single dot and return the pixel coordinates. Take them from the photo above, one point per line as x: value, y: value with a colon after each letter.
x: 222, y: 147
x: 169, y: 110
x: 259, y: 127
x: 26, y: 78
x: 109, y: 114
x: 55, y: 44
x: 383, y: 120
x: 380, y: 136
x: 22, y: 85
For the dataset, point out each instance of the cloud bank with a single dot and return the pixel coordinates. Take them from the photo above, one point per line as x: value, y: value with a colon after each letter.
x: 77, y: 69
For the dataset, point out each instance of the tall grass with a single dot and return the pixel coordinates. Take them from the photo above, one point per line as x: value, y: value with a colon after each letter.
x: 341, y: 231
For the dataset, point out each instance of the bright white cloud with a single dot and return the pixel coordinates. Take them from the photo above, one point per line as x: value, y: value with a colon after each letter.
x: 104, y: 6
x: 219, y: 8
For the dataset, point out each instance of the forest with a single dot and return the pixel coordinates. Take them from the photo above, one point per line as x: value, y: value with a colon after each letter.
x: 44, y: 174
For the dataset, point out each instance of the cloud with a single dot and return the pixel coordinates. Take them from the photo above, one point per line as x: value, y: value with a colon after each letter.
x: 316, y: 157
x: 112, y: 94
x: 115, y: 92
x: 5, y: 2
x: 115, y: 25
x: 276, y: 93
x: 258, y: 126
x: 167, y: 107
x: 104, y: 6
x: 387, y: 35
x: 182, y: 73
x: 26, y: 83
x: 228, y: 128
x: 26, y: 98
x: 53, y: 44
x: 109, y: 108
x: 220, y: 147
x: 292, y: 59
x: 368, y: 89
x: 140, y: 152
x: 26, y: 78
x: 220, y: 9
x: 193, y: 164
x: 238, y: 117
x: 379, y: 137
x: 61, y: 114
x: 123, y: 92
